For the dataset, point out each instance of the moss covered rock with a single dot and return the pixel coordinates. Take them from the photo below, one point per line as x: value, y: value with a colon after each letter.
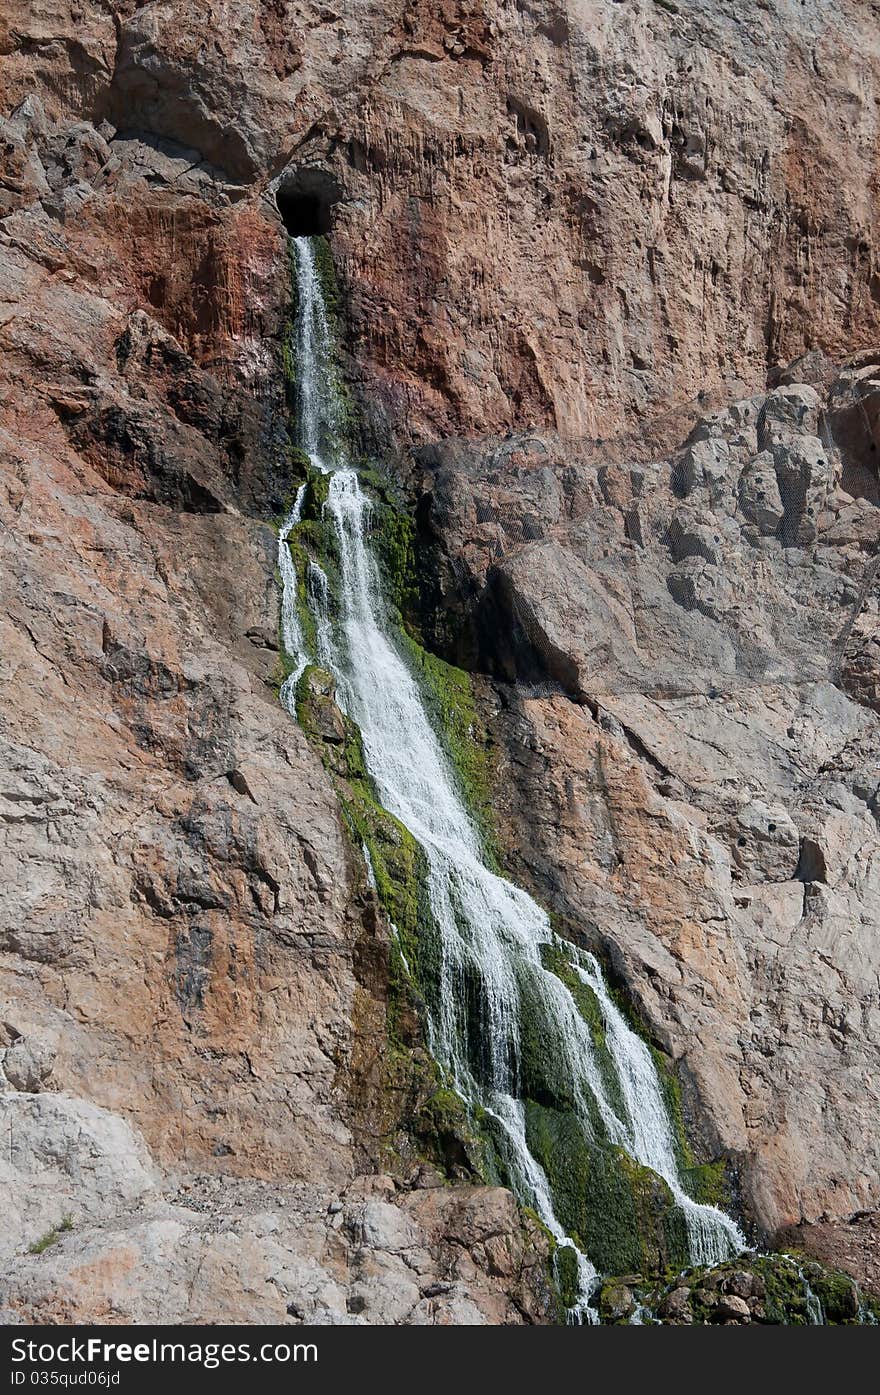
x: 316, y: 708
x: 780, y: 1289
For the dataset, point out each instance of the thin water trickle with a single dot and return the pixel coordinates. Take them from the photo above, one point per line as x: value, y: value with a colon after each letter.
x: 291, y: 630
x: 319, y: 603
x: 812, y: 1302
x: 490, y: 932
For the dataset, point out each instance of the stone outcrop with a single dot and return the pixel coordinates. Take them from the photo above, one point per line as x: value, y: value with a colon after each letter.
x: 551, y: 214
x: 186, y: 940
x: 765, y: 1289
x: 95, y: 1234
x: 553, y: 224
x: 195, y: 971
x: 690, y: 779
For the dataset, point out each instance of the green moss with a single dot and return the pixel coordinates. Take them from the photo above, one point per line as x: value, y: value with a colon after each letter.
x: 660, y: 1223
x: 837, y: 1293
x: 326, y: 273
x: 393, y: 538
x: 555, y: 959
x: 543, y: 1072
x: 439, y: 1125
x: 785, y: 1301
x: 300, y: 558
x: 779, y: 1298
x: 556, y: 1139
x: 565, y: 1275
x: 707, y: 1182
x: 448, y: 695
x: 449, y: 1132
x: 51, y: 1236
x: 317, y: 491
x: 622, y: 1214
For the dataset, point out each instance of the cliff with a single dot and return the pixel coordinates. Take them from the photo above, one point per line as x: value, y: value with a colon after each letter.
x: 579, y: 247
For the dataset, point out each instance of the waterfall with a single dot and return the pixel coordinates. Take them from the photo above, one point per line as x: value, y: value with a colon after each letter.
x: 319, y: 602
x: 491, y: 933
x: 291, y: 630
x: 812, y: 1302
x: 647, y: 1129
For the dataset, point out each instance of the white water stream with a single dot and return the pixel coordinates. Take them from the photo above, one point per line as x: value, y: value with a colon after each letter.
x: 490, y: 931
x: 291, y: 630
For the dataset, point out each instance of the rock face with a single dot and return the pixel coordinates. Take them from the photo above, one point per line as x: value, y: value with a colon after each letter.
x: 563, y: 220
x: 109, y: 1244
x: 690, y: 777
x: 564, y: 215
x: 165, y: 902
x: 185, y: 939
x: 770, y: 1289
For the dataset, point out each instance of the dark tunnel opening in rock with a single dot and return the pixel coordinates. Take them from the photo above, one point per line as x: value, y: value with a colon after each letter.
x: 305, y: 199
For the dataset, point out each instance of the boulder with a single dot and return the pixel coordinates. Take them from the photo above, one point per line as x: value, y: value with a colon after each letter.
x: 759, y: 495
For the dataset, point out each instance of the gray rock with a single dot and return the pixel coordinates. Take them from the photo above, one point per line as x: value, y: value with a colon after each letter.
x: 676, y: 1306
x: 706, y: 464
x: 697, y: 584
x: 765, y: 844
x: 66, y: 1156
x: 744, y: 1284
x: 718, y: 848
x: 804, y: 474
x: 617, y: 1302
x: 730, y: 1306
x: 759, y: 495
x: 27, y: 1064
x: 692, y: 536
x: 790, y: 410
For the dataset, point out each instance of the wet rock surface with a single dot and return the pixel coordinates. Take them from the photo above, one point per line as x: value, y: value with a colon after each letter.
x: 789, y: 1289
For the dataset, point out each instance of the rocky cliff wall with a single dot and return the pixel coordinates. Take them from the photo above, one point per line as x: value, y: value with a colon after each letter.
x: 688, y: 762
x: 587, y: 221
x: 569, y: 215
x: 195, y: 971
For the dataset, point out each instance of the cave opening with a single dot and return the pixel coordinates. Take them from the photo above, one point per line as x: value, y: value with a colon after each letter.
x: 305, y: 198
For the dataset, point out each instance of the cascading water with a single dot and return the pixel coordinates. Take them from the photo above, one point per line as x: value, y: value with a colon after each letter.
x: 319, y: 602
x: 812, y: 1303
x: 492, y: 936
x: 291, y: 630
x: 648, y: 1135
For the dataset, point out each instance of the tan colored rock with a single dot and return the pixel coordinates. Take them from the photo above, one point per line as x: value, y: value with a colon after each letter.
x: 676, y: 1307
x: 606, y: 221
x: 110, y: 1242
x: 730, y: 1307
x: 186, y: 938
x: 687, y: 786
